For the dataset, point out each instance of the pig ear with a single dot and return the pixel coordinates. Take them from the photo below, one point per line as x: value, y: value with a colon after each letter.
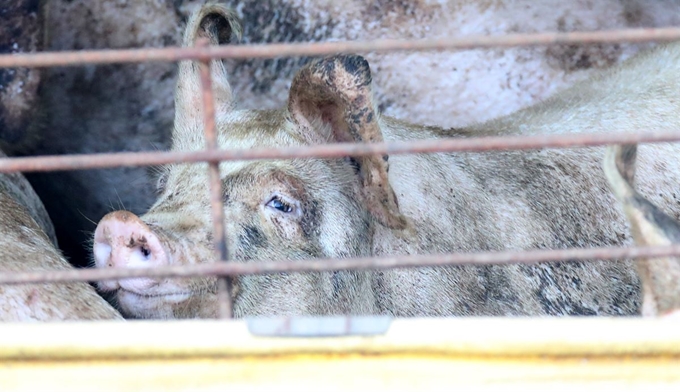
x: 331, y: 100
x: 650, y: 225
x: 220, y: 26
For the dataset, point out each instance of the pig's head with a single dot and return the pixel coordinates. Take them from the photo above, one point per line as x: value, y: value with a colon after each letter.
x: 274, y: 210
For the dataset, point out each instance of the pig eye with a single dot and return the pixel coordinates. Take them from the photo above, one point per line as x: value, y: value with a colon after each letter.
x: 160, y: 185
x: 280, y: 205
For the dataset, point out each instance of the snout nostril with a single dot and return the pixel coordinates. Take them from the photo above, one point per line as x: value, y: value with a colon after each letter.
x: 123, y: 240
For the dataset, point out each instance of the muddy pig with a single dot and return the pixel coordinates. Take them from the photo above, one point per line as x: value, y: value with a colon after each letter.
x: 404, y: 204
x: 649, y: 226
x: 129, y: 107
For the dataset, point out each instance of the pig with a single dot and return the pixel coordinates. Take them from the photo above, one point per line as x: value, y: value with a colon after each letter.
x: 650, y: 226
x: 28, y: 243
x: 89, y: 109
x: 394, y: 205
x: 21, y: 30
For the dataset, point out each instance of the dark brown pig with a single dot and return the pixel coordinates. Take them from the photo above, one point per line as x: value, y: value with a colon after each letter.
x: 21, y: 31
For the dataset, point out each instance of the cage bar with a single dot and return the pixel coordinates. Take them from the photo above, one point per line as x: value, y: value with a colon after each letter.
x: 266, y: 51
x: 255, y: 267
x: 215, y: 185
x: 339, y: 150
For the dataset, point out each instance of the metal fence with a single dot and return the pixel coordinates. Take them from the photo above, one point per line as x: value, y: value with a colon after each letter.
x: 213, y: 155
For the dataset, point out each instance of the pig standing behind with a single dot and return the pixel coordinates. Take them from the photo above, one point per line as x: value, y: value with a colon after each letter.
x: 649, y: 226
x: 21, y: 30
x: 404, y: 204
x: 129, y: 107
x: 27, y: 243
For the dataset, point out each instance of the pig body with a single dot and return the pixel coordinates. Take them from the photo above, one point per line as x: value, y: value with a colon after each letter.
x: 27, y: 243
x: 130, y: 108
x: 405, y: 204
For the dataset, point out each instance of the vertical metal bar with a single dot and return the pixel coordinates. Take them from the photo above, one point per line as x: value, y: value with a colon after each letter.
x: 221, y: 255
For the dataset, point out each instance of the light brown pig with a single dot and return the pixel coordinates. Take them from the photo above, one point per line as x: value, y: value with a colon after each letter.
x: 405, y: 204
x: 27, y: 243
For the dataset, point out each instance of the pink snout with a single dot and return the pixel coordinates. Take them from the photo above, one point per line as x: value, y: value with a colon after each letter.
x: 122, y: 240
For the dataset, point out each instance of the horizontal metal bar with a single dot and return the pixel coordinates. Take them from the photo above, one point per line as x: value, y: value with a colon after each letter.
x: 325, y: 48
x: 362, y: 263
x: 110, y: 160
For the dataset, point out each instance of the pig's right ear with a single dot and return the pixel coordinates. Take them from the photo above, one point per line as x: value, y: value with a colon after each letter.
x: 649, y: 227
x: 331, y: 101
x: 649, y: 224
x: 220, y: 26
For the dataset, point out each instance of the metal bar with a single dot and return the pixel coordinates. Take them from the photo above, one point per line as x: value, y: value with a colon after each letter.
x: 255, y: 267
x: 325, y: 48
x: 339, y: 150
x: 215, y: 183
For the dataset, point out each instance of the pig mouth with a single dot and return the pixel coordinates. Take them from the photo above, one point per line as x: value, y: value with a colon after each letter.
x: 175, y: 296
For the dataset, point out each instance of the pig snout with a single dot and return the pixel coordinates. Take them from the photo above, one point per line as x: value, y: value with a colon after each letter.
x: 122, y: 240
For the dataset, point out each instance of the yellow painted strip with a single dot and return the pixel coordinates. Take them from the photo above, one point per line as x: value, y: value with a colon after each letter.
x: 452, y: 336
x: 496, y: 354
x: 344, y: 373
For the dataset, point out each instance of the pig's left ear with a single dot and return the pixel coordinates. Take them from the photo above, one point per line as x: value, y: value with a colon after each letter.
x: 220, y: 26
x: 331, y: 101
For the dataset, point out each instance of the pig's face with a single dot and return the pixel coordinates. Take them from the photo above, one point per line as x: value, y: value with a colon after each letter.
x: 274, y: 210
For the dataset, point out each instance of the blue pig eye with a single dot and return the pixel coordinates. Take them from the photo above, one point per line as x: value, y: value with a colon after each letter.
x: 280, y: 205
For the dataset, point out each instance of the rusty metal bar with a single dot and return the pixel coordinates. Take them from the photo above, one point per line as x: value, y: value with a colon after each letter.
x: 476, y: 144
x: 325, y: 48
x: 255, y: 267
x: 215, y: 183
